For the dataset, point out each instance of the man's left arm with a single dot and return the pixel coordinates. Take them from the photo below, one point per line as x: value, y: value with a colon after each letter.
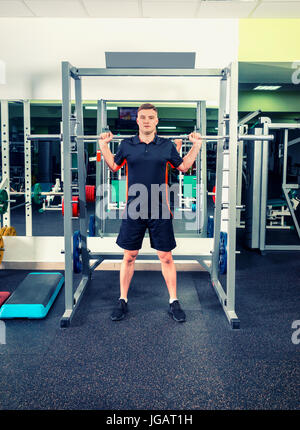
x: 190, y: 157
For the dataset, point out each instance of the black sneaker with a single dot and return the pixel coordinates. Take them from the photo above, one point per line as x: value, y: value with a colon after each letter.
x: 119, y: 311
x: 176, y: 312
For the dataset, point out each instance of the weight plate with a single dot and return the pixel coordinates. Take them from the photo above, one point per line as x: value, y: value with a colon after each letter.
x: 214, y: 191
x: 3, y: 202
x: 9, y: 231
x: 92, y: 226
x: 223, y: 253
x: 2, y: 231
x: 37, y: 198
x: 90, y: 193
x: 75, y: 206
x: 210, y: 227
x: 1, y: 246
x: 77, y: 264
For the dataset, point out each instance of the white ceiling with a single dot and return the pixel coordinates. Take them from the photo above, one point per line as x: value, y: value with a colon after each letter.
x: 151, y: 8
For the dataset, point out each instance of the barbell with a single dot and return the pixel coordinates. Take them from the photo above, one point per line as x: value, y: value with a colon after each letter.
x: 124, y: 136
x: 38, y: 195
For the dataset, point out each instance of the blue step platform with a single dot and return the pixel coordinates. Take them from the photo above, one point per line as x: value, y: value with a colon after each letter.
x: 34, y: 296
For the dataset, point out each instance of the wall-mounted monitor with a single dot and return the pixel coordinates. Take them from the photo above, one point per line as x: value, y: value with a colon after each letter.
x: 128, y: 113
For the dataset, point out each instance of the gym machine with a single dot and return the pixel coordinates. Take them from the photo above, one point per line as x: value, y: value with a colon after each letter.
x: 41, y: 194
x: 207, y: 251
x: 216, y: 254
x: 260, y: 210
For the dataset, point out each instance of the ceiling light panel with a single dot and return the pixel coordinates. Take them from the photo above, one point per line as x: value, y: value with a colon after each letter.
x: 112, y: 8
x: 56, y: 8
x: 274, y: 9
x: 267, y: 87
x: 225, y: 9
x: 169, y: 9
x: 13, y: 8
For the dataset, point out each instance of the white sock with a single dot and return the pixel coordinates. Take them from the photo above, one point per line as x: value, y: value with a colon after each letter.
x: 172, y: 300
x: 122, y: 298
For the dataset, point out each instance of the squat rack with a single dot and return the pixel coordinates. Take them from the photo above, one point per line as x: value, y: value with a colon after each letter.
x: 204, y: 250
x: 5, y: 161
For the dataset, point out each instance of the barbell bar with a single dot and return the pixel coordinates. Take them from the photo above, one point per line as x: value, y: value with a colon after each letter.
x: 186, y: 136
x: 123, y: 136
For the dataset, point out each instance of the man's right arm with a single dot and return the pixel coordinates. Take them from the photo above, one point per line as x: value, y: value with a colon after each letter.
x: 104, y: 140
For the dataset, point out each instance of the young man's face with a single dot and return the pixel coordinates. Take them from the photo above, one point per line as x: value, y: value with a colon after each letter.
x: 147, y: 121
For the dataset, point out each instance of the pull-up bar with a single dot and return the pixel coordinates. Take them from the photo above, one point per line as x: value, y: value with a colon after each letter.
x: 76, y: 73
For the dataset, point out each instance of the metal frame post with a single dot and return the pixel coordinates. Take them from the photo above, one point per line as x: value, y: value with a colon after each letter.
x: 231, y: 245
x: 5, y: 157
x: 82, y: 174
x: 27, y: 167
x: 100, y: 173
x: 219, y: 181
x: 264, y: 186
x: 240, y: 158
x: 66, y: 114
x: 201, y: 173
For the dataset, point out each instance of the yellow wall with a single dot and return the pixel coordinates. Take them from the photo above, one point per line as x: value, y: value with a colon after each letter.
x: 269, y: 40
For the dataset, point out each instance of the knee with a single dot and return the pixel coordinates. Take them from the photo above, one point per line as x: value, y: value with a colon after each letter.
x: 165, y: 257
x: 130, y: 256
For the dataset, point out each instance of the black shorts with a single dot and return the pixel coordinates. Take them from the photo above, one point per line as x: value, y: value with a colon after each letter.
x: 132, y: 233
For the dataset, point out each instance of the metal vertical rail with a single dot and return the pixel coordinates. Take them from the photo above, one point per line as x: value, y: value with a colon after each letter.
x: 61, y: 156
x: 219, y: 180
x: 231, y: 244
x: 5, y: 157
x: 81, y: 178
x: 285, y: 151
x: 198, y: 173
x: 27, y: 167
x: 264, y: 187
x: 99, y: 168
x: 201, y: 178
x: 68, y: 233
x: 240, y: 175
x: 254, y: 207
x: 104, y: 171
x: 100, y: 174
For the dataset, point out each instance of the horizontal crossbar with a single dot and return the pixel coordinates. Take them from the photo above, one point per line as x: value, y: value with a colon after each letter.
x: 148, y: 72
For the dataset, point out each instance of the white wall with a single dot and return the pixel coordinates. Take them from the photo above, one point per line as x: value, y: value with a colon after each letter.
x: 33, y: 48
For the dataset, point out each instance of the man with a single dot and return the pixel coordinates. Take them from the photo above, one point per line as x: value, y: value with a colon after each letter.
x: 147, y: 157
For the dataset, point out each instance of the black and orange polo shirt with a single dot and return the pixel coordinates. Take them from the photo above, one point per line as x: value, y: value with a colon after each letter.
x: 147, y: 165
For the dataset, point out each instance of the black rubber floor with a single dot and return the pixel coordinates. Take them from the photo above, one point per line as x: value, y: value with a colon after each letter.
x: 148, y: 361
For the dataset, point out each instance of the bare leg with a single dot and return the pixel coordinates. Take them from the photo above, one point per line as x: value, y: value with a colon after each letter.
x: 169, y: 272
x: 126, y: 271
